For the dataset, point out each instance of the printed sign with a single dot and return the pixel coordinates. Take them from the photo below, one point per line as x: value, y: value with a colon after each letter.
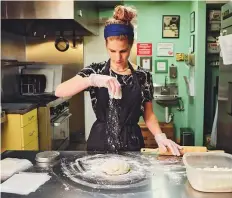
x: 144, y: 49
x: 165, y: 49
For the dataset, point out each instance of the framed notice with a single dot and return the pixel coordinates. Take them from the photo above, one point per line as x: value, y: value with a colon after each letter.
x: 146, y: 63
x: 165, y: 49
x: 171, y: 26
x: 144, y: 49
x: 161, y: 66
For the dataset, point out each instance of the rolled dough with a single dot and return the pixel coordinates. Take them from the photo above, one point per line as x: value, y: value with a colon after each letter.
x: 115, y: 167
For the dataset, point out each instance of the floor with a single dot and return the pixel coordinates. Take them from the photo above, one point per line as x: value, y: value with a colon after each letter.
x: 77, y: 142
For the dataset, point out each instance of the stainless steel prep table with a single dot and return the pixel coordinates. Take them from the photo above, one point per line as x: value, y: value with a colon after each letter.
x: 170, y: 182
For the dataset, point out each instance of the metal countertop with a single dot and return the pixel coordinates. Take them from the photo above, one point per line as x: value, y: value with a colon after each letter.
x: 169, y: 181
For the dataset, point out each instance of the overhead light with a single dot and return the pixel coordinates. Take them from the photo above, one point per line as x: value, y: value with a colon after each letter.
x: 34, y: 33
x: 44, y: 35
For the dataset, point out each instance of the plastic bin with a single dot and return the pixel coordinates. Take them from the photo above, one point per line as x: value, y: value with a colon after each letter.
x: 205, y: 180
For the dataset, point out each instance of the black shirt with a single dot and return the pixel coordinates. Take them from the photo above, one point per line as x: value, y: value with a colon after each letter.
x: 144, y: 77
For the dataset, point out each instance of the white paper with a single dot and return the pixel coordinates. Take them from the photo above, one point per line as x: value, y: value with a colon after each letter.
x: 226, y: 48
x: 161, y: 66
x: 24, y: 183
x: 165, y: 49
x: 146, y: 64
x: 10, y: 166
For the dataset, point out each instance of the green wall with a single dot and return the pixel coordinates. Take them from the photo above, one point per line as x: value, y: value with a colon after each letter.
x: 149, y: 29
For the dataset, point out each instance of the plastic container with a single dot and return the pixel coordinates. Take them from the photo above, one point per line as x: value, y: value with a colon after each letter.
x: 208, y: 180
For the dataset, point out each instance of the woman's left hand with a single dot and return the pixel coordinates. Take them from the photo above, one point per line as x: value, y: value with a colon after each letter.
x: 163, y: 143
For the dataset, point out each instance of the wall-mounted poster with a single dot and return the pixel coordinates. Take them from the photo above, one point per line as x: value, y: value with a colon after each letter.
x: 171, y: 26
x: 144, y: 49
x: 165, y: 49
x: 146, y: 63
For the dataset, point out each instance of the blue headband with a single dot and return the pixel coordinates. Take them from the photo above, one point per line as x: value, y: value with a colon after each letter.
x: 118, y: 29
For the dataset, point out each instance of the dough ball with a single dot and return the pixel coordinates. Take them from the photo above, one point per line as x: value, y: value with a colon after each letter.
x: 115, y: 167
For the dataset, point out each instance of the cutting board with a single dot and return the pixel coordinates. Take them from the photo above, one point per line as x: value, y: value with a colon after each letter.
x: 186, y: 149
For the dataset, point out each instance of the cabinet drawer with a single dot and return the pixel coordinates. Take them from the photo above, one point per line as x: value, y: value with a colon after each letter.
x: 29, y: 133
x: 34, y: 145
x: 29, y: 117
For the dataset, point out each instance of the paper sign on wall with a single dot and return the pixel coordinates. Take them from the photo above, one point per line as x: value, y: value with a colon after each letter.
x: 146, y: 63
x: 161, y: 66
x: 144, y: 49
x: 165, y: 49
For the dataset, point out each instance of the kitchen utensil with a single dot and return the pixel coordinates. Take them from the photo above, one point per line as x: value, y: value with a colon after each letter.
x: 210, y: 171
x: 47, y: 156
x: 186, y: 149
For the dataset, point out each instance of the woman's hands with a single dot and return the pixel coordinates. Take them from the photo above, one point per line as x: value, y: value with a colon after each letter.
x: 109, y: 82
x: 163, y: 143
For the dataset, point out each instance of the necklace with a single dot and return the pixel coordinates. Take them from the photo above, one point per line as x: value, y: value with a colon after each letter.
x: 121, y: 70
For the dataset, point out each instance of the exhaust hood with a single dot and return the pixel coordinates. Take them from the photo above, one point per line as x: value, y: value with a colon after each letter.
x: 50, y: 17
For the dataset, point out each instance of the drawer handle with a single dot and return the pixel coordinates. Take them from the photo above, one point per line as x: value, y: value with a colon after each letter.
x: 31, y: 133
x: 30, y: 118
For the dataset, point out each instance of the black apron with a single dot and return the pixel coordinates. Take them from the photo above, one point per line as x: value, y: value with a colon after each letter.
x: 130, y: 133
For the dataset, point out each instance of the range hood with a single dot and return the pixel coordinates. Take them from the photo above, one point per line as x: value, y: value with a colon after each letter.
x: 49, y: 17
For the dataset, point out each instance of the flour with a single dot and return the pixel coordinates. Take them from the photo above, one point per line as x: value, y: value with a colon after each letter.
x: 113, y: 128
x: 88, y: 171
x: 170, y: 167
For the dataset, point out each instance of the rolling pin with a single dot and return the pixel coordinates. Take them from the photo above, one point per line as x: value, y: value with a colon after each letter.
x: 186, y: 149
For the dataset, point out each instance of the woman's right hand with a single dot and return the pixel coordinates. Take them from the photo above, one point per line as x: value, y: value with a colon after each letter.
x: 109, y: 82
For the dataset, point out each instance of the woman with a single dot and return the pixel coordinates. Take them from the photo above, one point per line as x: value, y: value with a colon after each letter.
x: 120, y: 91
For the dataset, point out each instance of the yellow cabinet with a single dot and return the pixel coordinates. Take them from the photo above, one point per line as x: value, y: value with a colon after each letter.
x: 29, y: 133
x: 28, y: 118
x: 20, y: 132
x: 34, y: 145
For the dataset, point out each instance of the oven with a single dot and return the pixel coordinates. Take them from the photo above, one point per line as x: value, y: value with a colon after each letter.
x: 38, y: 84
x: 60, y: 130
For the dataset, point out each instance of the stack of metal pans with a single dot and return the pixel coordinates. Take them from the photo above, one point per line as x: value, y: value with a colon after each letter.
x: 47, y: 158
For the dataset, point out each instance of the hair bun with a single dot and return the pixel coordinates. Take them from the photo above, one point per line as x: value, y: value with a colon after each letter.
x: 124, y: 13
